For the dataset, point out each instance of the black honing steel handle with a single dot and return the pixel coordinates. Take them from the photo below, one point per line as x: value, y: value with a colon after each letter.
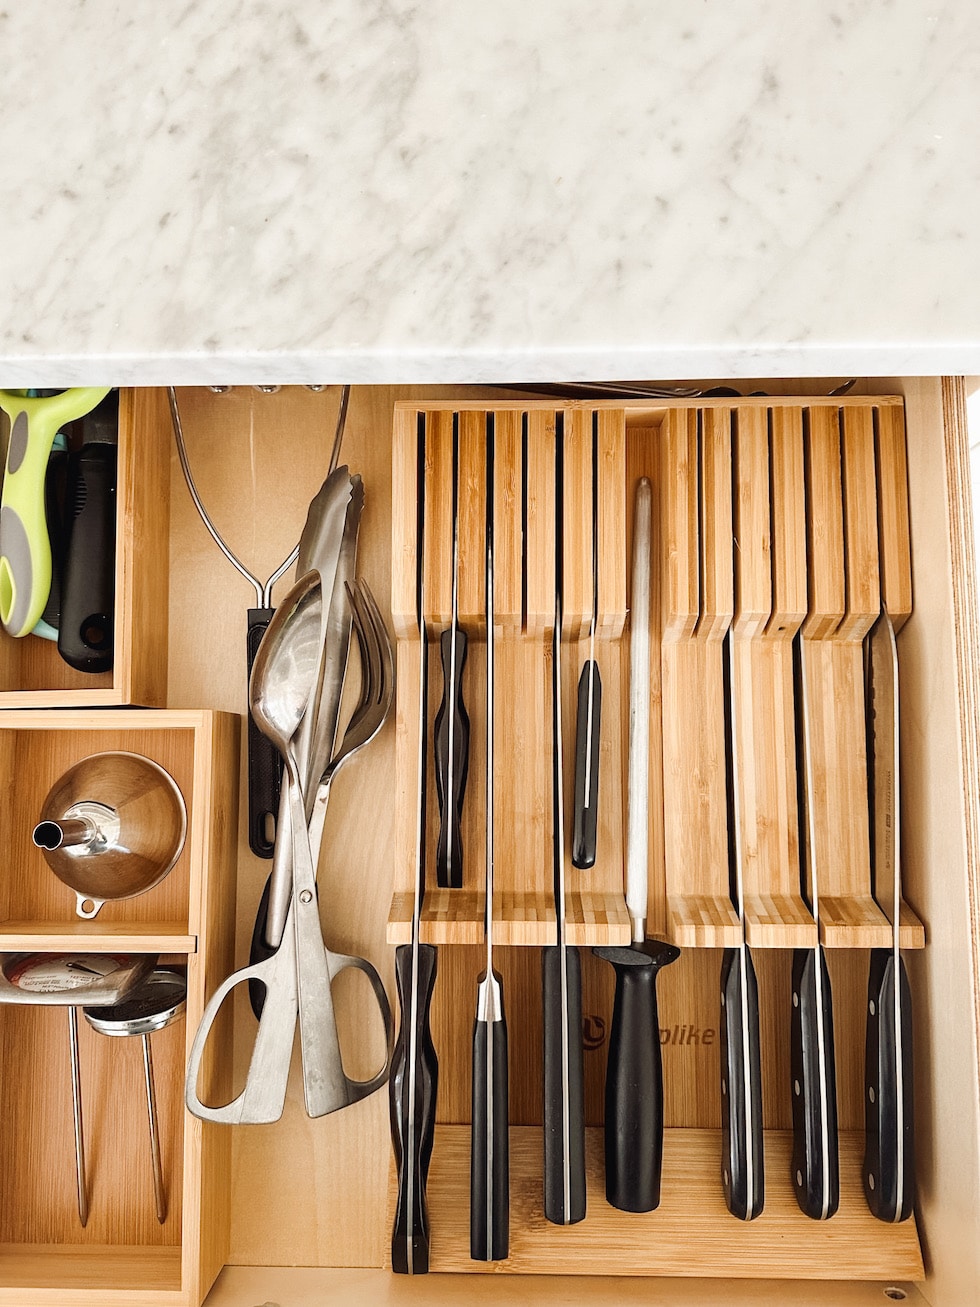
x: 264, y: 763
x: 452, y: 711
x: 889, y: 1157
x: 489, y: 1146
x: 587, y: 767
x: 561, y: 1087
x: 816, y: 1166
x: 88, y: 581
x: 412, y: 1132
x: 634, y: 1111
x: 742, y: 1156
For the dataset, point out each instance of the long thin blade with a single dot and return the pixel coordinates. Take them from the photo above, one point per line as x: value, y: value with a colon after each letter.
x: 883, y: 707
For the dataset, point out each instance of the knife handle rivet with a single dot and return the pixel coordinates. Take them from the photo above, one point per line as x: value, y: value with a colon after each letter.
x: 799, y: 1179
x: 871, y: 1093
x: 723, y: 999
x: 796, y: 1000
x: 724, y: 1176
x: 871, y: 1181
x: 724, y: 1087
x: 871, y: 1007
x: 306, y: 896
x: 796, y: 1088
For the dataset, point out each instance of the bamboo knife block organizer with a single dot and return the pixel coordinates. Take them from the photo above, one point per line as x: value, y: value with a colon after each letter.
x: 772, y: 518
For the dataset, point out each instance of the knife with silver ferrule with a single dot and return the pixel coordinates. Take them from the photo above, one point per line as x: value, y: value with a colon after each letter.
x: 634, y: 1112
x: 889, y: 1166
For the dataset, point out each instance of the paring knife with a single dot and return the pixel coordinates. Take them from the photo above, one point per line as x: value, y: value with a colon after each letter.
x: 816, y: 1167
x: 452, y: 724
x: 743, y: 1174
x: 889, y: 1158
x: 589, y: 717
x: 489, y: 1146
x: 634, y: 1107
x: 564, y: 1093
x: 414, y: 1077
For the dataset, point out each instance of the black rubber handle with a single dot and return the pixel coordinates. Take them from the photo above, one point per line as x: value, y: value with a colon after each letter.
x: 259, y: 951
x: 634, y: 1118
x: 56, y: 519
x: 264, y: 763
x: 413, y: 1116
x: 586, y: 812
x: 742, y: 1154
x: 88, y: 583
x: 889, y: 1157
x: 452, y: 711
x: 564, y: 1098
x: 816, y: 1167
x: 489, y: 1144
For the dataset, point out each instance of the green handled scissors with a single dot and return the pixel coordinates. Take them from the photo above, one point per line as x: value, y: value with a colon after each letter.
x: 25, y: 550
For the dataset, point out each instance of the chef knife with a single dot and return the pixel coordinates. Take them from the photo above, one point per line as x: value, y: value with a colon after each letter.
x: 889, y: 1159
x: 816, y: 1167
x: 743, y: 1176
x: 634, y: 1116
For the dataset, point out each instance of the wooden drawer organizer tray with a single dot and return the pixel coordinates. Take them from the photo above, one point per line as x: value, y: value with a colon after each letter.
x: 123, y: 1255
x: 32, y: 673
x: 814, y: 495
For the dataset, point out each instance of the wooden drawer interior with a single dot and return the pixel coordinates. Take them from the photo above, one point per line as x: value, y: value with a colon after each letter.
x: 258, y: 459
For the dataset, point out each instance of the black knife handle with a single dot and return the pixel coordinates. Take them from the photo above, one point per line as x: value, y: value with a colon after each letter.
x: 413, y: 1116
x: 88, y: 583
x: 56, y: 520
x: 634, y: 1113
x: 449, y: 850
x: 586, y: 813
x: 742, y: 1151
x: 489, y: 1143
x: 816, y: 1166
x: 889, y: 1157
x: 564, y: 1126
x: 264, y: 763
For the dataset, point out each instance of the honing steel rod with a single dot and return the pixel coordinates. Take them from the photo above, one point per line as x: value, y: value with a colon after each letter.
x: 889, y: 1156
x: 452, y: 725
x: 588, y: 721
x: 816, y: 1173
x: 489, y: 1150
x: 414, y: 1067
x: 564, y: 1111
x: 741, y: 1063
x: 634, y: 1112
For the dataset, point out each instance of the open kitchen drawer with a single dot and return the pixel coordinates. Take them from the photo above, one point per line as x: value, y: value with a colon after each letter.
x: 314, y: 1194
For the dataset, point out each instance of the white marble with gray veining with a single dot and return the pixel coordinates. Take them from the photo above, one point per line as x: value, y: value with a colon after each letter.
x: 439, y: 190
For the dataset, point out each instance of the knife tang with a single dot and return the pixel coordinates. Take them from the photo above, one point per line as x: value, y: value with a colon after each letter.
x: 412, y: 1103
x: 816, y: 1172
x: 634, y: 1102
x: 586, y: 811
x: 889, y: 1159
x: 743, y: 1175
x: 452, y: 747
x: 564, y: 1093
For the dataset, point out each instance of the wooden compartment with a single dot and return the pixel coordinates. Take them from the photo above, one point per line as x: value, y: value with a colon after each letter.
x: 32, y: 673
x: 123, y: 1255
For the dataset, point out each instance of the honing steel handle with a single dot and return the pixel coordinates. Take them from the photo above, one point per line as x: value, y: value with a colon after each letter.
x: 451, y: 717
x: 489, y: 1150
x: 412, y: 1102
x: 889, y: 1157
x: 742, y: 1163
x: 564, y: 1104
x: 634, y: 1114
x: 585, y: 818
x: 264, y: 763
x: 88, y: 585
x: 816, y: 1171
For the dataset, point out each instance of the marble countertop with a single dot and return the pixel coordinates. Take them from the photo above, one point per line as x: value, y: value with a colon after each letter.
x: 388, y: 190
